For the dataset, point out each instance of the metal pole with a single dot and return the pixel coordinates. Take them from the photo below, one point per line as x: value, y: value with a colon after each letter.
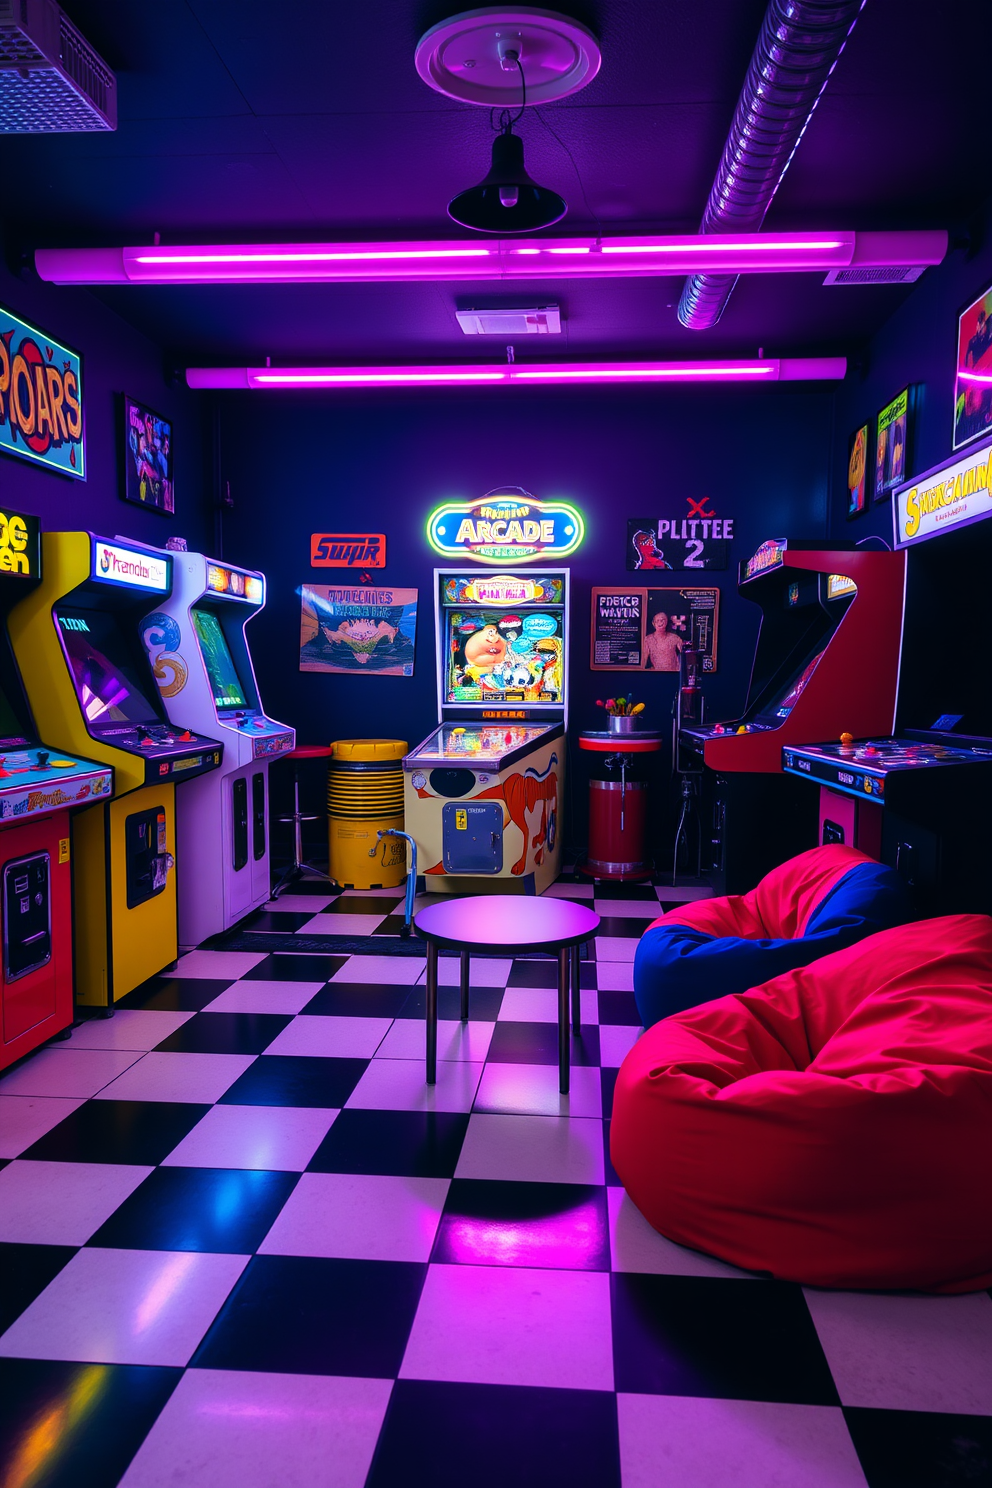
x: 464, y: 984
x: 431, y: 1013
x: 563, y: 1051
x: 576, y: 992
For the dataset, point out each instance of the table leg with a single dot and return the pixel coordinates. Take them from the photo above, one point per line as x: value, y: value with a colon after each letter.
x: 563, y: 1049
x: 431, y: 1013
x: 576, y: 992
x: 464, y: 984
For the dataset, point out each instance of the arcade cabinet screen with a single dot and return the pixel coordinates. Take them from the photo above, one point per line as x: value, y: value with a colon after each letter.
x: 788, y: 699
x: 225, y: 684
x: 10, y: 724
x: 108, y: 682
x: 493, y: 657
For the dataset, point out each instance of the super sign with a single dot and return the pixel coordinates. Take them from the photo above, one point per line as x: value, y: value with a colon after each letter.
x: 505, y: 528
x: 41, y: 398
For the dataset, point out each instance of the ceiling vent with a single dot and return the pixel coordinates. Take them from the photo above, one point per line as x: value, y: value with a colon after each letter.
x: 542, y: 320
x: 51, y: 79
x: 897, y: 274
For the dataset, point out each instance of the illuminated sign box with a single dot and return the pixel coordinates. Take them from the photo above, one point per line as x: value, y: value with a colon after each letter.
x: 505, y: 529
x: 20, y: 545
x: 41, y: 398
x: 235, y: 584
x: 348, y: 550
x: 135, y: 570
x: 948, y: 496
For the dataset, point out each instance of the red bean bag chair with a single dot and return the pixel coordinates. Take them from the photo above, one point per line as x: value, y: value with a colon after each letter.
x: 833, y: 1126
x: 815, y: 903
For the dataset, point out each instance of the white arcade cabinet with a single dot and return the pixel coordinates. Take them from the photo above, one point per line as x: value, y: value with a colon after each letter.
x: 199, y: 653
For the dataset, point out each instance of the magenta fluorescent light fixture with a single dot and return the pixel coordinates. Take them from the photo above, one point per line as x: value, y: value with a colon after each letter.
x: 499, y: 259
x: 786, y: 369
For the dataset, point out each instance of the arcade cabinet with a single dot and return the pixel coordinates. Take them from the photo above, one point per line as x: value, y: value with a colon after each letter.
x: 826, y: 662
x: 199, y: 653
x: 483, y: 793
x: 39, y: 787
x: 90, y: 685
x: 922, y: 801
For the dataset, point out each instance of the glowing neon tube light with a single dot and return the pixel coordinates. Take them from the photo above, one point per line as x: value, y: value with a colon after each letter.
x: 786, y: 369
x: 499, y: 259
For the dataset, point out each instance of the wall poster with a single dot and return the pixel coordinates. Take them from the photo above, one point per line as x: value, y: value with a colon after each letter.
x: 973, y: 378
x: 148, y: 479
x: 637, y: 629
x: 891, y: 445
x: 857, y: 473
x: 696, y: 539
x: 41, y: 398
x: 365, y: 630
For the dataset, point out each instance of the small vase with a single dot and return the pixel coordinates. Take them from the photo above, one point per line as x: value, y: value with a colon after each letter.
x: 622, y: 723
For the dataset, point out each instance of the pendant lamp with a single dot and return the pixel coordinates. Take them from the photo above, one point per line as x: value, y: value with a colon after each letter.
x: 508, y: 200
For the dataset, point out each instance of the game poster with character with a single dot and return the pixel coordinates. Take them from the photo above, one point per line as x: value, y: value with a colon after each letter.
x: 646, y: 629
x: 495, y: 657
x: 695, y: 539
x: 973, y: 378
x: 148, y: 479
x: 362, y: 631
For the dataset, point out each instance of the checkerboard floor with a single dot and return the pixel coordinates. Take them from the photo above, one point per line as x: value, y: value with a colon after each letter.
x: 242, y: 1245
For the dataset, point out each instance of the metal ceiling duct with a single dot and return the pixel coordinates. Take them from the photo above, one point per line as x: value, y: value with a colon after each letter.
x: 797, y: 50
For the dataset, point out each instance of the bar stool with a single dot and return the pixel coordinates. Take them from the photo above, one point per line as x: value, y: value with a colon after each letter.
x: 299, y: 866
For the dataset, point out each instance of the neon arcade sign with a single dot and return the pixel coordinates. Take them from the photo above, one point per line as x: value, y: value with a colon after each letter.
x: 505, y: 527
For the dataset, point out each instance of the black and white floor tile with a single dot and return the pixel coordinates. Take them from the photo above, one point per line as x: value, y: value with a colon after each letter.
x: 242, y: 1245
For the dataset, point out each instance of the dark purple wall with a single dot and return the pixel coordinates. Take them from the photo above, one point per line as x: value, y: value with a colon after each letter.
x: 299, y: 464
x: 917, y: 345
x: 116, y: 359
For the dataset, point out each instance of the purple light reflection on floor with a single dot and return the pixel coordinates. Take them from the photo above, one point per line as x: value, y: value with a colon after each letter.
x: 508, y: 1224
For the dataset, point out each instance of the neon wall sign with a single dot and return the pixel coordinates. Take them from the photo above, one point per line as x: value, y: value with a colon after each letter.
x: 505, y: 527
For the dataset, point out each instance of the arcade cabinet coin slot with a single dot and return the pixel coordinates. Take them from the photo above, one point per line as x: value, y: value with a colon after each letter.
x: 27, y: 915
x: 146, y: 855
x: 472, y: 837
x: 239, y: 822
x: 258, y: 835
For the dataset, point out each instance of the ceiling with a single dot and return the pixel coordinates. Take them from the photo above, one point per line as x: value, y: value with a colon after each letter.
x: 247, y: 120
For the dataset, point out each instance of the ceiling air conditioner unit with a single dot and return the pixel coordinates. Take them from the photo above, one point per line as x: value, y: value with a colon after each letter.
x: 541, y: 320
x: 51, y: 79
x: 897, y: 274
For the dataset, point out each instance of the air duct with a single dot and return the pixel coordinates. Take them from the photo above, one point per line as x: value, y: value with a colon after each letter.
x: 797, y: 50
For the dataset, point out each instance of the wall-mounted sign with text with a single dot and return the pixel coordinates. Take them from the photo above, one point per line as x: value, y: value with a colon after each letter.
x: 505, y: 527
x: 951, y: 495
x: 348, y: 550
x: 699, y: 539
x: 41, y: 398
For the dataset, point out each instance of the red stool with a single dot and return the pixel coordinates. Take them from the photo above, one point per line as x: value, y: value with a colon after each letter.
x: 298, y: 866
x: 618, y: 808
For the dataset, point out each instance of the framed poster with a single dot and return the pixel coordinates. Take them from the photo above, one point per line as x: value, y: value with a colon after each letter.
x: 857, y: 473
x: 636, y: 630
x: 892, y: 438
x: 148, y: 479
x: 973, y: 376
x: 617, y: 629
x: 365, y: 631
x: 41, y: 398
x: 697, y: 539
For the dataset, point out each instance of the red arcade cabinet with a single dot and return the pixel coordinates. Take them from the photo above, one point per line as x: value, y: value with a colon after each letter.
x: 826, y: 663
x: 38, y: 789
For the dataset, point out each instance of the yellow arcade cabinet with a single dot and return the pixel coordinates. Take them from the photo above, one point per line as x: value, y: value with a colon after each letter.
x: 92, y: 690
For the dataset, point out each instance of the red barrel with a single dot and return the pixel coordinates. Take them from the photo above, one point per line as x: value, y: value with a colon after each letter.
x: 617, y: 825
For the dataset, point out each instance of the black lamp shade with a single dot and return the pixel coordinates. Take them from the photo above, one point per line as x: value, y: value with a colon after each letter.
x: 507, y: 201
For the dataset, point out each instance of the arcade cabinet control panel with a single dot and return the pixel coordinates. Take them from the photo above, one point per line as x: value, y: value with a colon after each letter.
x: 866, y: 768
x: 266, y: 737
x: 34, y: 780
x: 166, y: 749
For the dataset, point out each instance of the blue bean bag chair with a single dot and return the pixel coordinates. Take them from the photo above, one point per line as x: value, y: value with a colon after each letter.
x: 821, y: 901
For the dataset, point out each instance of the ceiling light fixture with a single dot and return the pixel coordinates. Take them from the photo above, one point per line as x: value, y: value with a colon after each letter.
x: 507, y: 200
x: 785, y: 369
x: 445, y: 260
